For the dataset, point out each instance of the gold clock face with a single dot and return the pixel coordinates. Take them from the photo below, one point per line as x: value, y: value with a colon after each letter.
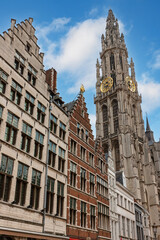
x: 106, y: 84
x: 130, y: 84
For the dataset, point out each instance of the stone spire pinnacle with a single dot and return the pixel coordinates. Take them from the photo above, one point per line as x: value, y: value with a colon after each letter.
x: 148, y: 129
x: 149, y: 132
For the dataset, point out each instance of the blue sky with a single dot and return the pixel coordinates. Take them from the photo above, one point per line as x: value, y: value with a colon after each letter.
x: 69, y: 33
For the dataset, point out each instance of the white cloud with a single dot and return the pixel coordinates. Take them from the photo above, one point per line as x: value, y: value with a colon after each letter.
x: 156, y: 60
x: 93, y: 11
x: 150, y: 93
x: 76, y: 52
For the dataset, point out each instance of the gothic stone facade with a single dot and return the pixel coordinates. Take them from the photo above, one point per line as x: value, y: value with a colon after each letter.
x: 119, y: 121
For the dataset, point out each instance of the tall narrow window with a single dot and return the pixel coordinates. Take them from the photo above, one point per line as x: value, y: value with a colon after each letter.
x: 91, y: 159
x: 60, y: 199
x: 73, y: 146
x: 26, y: 137
x: 52, y: 154
x: 62, y: 131
x: 38, y: 148
x: 115, y: 115
x: 73, y: 174
x: 1, y: 111
x: 105, y: 120
x: 83, y: 214
x: 92, y: 183
x: 41, y: 112
x: 117, y: 156
x: 93, y: 217
x: 113, y: 75
x: 32, y: 73
x: 35, y: 189
x: 11, y: 128
x: 78, y: 129
x: 87, y: 136
x: 50, y: 195
x: 120, y: 60
x: 16, y: 92
x: 6, y: 170
x: 21, y: 185
x: 19, y: 63
x: 83, y: 179
x: 61, y: 159
x: 83, y: 153
x: 112, y: 62
x: 29, y: 103
x: 53, y: 124
x: 72, y: 211
x: 3, y: 81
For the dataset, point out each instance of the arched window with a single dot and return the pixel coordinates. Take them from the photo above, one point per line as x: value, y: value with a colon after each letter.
x: 115, y: 115
x: 105, y: 121
x: 112, y: 62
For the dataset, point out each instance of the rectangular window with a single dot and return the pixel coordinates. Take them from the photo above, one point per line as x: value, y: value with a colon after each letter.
x: 1, y: 111
x: 16, y: 92
x: 6, y: 169
x: 38, y: 149
x: 102, y: 187
x: 62, y: 131
x: 41, y: 112
x: 26, y: 137
x: 61, y: 159
x: 11, y: 128
x: 52, y: 154
x: 35, y: 189
x: 83, y: 214
x: 50, y: 195
x: 32, y: 75
x: 123, y: 226
x: 101, y: 165
x: 93, y: 217
x: 3, y: 81
x: 73, y: 174
x: 21, y: 185
x: 128, y: 228
x: 83, y: 153
x: 19, y: 63
x: 73, y: 146
x: 72, y: 211
x: 91, y: 159
x: 103, y: 216
x: 92, y: 182
x: 60, y: 199
x: 53, y: 124
x: 83, y: 179
x: 29, y: 103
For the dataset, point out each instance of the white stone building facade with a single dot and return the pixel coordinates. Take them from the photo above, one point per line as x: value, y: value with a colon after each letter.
x: 26, y: 144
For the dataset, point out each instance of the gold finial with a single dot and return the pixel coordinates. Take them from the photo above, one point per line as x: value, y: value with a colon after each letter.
x: 82, y: 89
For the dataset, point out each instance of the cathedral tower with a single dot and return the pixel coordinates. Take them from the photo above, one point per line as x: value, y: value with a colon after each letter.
x: 119, y: 121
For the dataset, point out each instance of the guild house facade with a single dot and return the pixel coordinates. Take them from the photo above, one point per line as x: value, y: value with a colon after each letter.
x: 32, y: 193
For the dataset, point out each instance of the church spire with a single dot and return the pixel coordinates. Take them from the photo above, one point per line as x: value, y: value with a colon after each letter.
x: 149, y: 132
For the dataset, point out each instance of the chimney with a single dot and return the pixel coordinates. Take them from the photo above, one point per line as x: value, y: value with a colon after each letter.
x: 51, y: 79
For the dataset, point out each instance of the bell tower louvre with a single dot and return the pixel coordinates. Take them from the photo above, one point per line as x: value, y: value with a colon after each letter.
x: 119, y: 121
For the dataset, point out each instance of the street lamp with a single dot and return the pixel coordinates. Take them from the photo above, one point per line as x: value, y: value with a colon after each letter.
x: 154, y: 230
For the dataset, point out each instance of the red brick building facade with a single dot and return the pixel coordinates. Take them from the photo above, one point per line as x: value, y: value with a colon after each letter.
x: 87, y: 190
